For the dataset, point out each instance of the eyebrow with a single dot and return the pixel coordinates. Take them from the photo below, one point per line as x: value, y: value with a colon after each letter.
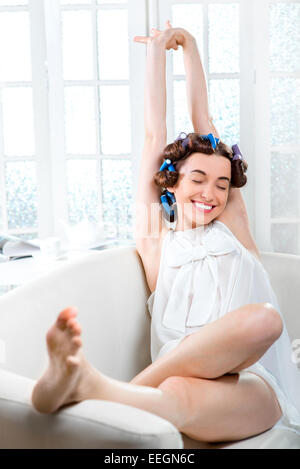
x: 202, y: 172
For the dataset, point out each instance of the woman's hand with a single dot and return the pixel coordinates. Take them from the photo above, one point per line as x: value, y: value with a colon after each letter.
x: 170, y: 37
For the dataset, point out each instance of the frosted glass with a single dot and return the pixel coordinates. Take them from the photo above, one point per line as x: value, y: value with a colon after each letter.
x: 223, y: 38
x: 181, y: 114
x: 80, y: 120
x: 83, y: 193
x: 21, y: 194
x: 285, y: 37
x: 108, y: 2
x: 13, y: 2
x: 75, y: 2
x: 18, y: 127
x: 285, y: 238
x: 285, y: 181
x: 189, y: 17
x: 77, y: 43
x: 115, y: 120
x: 113, y: 54
x: 285, y: 111
x: 15, y: 54
x: 1, y: 219
x: 117, y: 197
x: 224, y: 99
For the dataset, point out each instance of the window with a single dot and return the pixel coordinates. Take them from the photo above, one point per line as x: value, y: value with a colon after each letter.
x: 251, y: 54
x: 70, y: 119
x: 18, y: 196
x: 71, y: 107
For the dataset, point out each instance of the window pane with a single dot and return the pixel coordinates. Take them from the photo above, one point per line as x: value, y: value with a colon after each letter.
x: 107, y: 2
x: 224, y: 98
x: 75, y: 2
x: 285, y: 111
x: 18, y: 129
x: 285, y: 37
x: 15, y: 56
x: 1, y: 219
x: 21, y: 194
x: 117, y: 197
x: 13, y: 2
x: 224, y: 21
x: 113, y: 54
x: 285, y: 238
x: 189, y: 17
x: 83, y: 200
x: 285, y: 181
x: 77, y: 45
x: 80, y: 120
x: 115, y: 120
x: 181, y: 115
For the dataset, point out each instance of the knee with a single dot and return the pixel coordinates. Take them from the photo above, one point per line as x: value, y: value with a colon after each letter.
x: 177, y: 388
x: 262, y: 323
x: 175, y: 385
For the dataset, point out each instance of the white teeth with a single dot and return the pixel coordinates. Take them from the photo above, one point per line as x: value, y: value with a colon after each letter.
x: 207, y: 207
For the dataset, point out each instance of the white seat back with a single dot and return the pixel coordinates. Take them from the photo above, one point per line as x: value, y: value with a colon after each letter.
x: 110, y: 291
x: 284, y: 273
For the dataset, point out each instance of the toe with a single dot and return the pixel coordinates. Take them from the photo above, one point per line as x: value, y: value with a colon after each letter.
x: 68, y: 313
x: 73, y: 326
x: 77, y: 342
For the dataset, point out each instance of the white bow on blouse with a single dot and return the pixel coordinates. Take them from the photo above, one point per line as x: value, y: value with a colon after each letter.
x: 180, y: 310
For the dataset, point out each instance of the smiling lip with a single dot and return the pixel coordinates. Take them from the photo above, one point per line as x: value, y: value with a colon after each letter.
x: 202, y: 209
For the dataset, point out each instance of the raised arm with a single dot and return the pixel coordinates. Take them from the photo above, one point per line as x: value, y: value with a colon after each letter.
x: 155, y: 90
x: 197, y: 96
x: 148, y: 194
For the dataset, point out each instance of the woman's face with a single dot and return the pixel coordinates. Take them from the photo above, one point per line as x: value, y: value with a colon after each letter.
x: 202, y: 179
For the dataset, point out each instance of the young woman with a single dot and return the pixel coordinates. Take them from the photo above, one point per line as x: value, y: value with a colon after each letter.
x: 217, y: 333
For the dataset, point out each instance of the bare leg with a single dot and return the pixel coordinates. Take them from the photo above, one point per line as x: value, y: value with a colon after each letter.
x: 69, y: 378
x: 212, y: 410
x: 227, y: 345
x: 229, y: 408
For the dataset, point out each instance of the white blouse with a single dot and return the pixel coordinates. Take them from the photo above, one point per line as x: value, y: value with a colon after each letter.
x: 204, y: 273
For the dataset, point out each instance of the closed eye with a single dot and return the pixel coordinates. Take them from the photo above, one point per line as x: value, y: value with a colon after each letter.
x: 200, y: 182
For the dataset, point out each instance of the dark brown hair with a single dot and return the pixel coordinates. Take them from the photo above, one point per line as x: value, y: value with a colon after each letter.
x: 196, y: 144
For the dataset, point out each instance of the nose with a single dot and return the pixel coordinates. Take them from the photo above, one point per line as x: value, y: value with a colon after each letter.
x: 207, y: 195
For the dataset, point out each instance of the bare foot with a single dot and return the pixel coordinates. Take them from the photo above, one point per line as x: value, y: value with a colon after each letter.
x: 68, y: 373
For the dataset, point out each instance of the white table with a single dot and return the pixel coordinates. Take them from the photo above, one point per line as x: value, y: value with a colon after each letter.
x: 18, y: 272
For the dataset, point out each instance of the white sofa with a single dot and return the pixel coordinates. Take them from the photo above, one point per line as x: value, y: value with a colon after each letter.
x: 110, y: 291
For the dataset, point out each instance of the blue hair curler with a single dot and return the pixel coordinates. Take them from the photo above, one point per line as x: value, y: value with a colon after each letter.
x: 167, y: 165
x: 213, y: 140
x: 168, y: 202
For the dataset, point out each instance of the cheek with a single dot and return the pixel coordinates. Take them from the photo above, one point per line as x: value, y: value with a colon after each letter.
x: 223, y: 199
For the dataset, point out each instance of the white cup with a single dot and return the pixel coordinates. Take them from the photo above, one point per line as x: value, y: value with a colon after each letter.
x: 51, y: 247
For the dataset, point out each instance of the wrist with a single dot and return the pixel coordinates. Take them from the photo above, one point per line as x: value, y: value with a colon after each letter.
x: 159, y: 43
x: 189, y: 40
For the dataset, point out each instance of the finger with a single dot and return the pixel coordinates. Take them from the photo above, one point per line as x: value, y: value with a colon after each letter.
x: 173, y: 44
x: 168, y: 24
x: 155, y: 32
x: 142, y: 39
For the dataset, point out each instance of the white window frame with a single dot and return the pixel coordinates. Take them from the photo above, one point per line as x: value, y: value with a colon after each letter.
x: 263, y: 149
x: 136, y: 11
x: 48, y: 104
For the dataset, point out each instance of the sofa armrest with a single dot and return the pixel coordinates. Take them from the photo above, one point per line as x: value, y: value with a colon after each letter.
x: 89, y: 424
